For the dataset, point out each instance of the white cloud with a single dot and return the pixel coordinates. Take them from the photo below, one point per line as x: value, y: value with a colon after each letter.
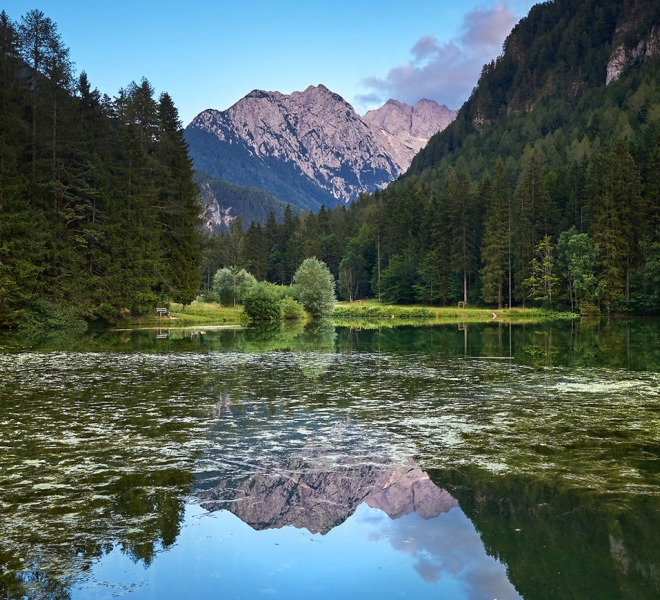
x: 446, y: 72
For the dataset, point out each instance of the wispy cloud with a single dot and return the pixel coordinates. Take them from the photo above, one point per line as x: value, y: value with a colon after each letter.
x: 445, y: 72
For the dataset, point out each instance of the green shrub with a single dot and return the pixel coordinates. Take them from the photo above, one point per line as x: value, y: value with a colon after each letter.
x: 231, y: 286
x: 314, y: 287
x: 263, y: 302
x: 46, y: 314
x: 292, y: 309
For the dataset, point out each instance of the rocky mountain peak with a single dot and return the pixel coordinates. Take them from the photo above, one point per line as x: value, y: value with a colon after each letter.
x: 315, y: 135
x: 406, y: 129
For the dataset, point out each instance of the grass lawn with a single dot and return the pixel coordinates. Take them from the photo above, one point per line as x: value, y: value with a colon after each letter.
x: 362, y: 309
x: 196, y: 313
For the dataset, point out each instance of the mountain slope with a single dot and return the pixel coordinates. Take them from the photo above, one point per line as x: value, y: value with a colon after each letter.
x: 556, y: 64
x: 223, y: 202
x: 553, y: 161
x: 236, y: 162
x: 311, y: 148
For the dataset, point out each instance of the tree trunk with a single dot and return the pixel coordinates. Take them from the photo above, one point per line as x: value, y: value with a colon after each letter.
x: 510, y: 299
x: 378, y: 245
x: 628, y: 284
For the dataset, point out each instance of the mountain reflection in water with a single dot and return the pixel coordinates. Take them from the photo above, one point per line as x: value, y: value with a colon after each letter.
x: 320, y: 501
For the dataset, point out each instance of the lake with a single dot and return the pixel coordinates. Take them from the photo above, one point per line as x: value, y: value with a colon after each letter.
x: 457, y: 461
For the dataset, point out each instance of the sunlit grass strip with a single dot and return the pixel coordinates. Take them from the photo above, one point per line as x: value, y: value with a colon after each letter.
x: 383, y: 312
x: 196, y: 313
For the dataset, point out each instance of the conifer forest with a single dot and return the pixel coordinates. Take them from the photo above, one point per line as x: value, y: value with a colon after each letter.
x: 544, y: 191
x: 98, y: 211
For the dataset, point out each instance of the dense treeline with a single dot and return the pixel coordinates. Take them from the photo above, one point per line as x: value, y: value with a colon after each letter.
x: 98, y: 211
x: 545, y: 190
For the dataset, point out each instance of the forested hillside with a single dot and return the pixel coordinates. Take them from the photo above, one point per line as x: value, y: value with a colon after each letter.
x: 98, y: 211
x: 223, y: 201
x: 546, y: 188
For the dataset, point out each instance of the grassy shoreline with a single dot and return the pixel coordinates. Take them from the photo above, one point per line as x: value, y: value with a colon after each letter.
x: 369, y: 309
x: 208, y: 314
x: 196, y: 314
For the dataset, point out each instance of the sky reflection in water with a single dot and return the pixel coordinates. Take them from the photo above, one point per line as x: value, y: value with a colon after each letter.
x: 368, y: 556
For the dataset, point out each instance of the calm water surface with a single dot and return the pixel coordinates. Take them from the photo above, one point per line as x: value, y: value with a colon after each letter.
x: 478, y: 462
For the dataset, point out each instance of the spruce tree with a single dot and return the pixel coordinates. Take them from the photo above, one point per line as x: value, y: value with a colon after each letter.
x: 256, y: 251
x: 616, y: 215
x: 533, y: 220
x: 178, y: 206
x: 463, y: 227
x: 542, y: 282
x: 496, y: 245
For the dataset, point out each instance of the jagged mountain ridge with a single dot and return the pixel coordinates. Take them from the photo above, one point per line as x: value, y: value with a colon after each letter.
x: 310, y: 148
x: 407, y: 129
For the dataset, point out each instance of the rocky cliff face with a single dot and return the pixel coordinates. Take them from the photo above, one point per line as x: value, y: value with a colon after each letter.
x: 406, y: 129
x: 214, y: 216
x: 287, y: 143
x: 624, y: 53
x: 318, y: 501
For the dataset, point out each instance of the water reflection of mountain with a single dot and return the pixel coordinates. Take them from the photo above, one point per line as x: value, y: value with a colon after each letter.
x: 319, y: 501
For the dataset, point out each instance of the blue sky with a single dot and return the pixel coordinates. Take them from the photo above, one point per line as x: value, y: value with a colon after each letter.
x: 210, y: 54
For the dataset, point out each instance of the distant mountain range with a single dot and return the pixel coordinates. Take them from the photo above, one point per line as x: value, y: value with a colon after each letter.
x: 311, y: 148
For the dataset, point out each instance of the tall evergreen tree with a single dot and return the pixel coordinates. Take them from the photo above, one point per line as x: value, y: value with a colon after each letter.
x: 178, y: 206
x: 616, y: 215
x: 496, y: 247
x: 533, y: 220
x: 542, y: 282
x: 463, y: 227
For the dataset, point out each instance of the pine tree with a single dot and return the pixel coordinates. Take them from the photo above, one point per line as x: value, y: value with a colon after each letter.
x: 496, y: 244
x: 20, y: 247
x: 652, y: 190
x: 463, y: 227
x: 616, y: 215
x: 543, y: 280
x: 533, y: 219
x: 35, y: 33
x: 256, y: 251
x: 178, y: 206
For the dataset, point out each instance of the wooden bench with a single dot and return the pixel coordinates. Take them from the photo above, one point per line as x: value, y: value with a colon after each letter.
x: 162, y: 312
